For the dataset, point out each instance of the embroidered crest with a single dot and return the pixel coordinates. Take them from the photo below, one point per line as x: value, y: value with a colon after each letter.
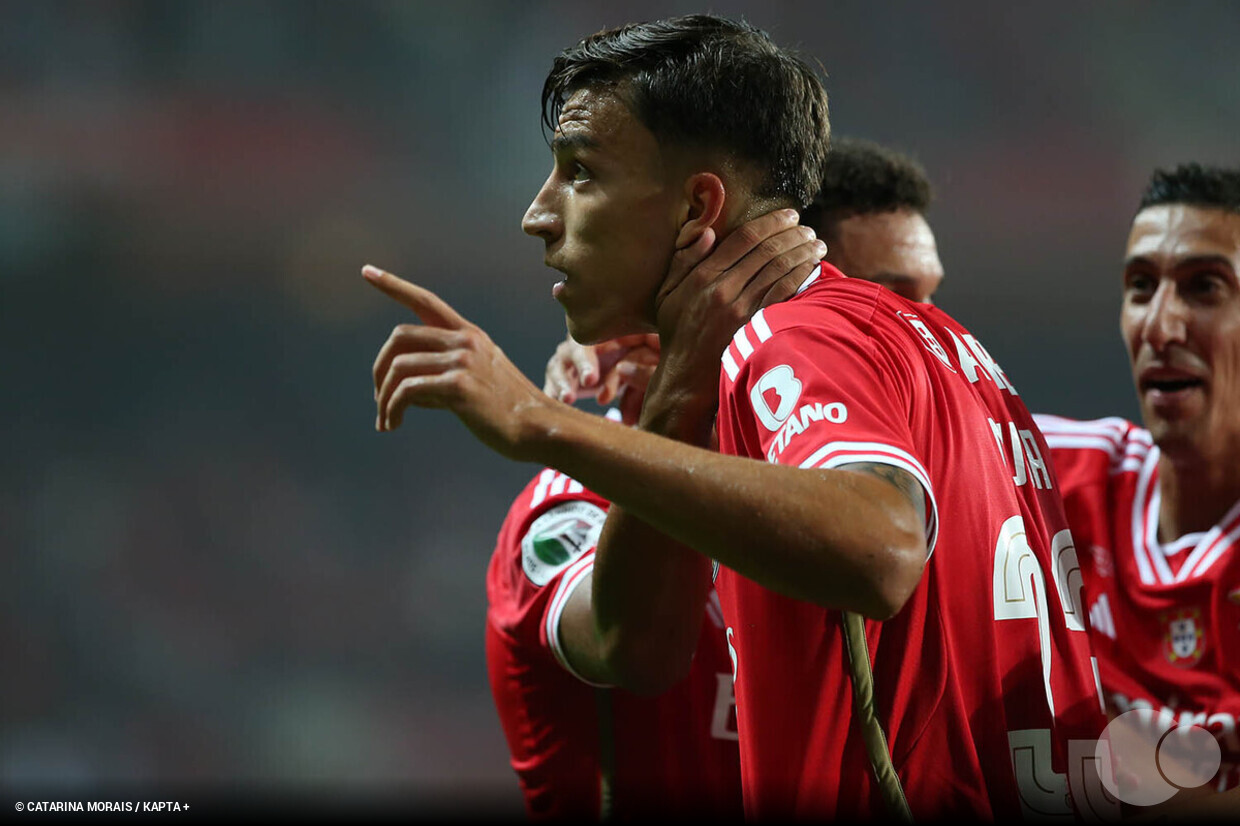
x: 1184, y: 642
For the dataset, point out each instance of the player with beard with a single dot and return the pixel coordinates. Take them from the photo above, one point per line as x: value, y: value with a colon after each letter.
x: 1155, y: 510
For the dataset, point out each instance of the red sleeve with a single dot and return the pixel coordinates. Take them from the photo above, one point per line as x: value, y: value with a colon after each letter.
x: 548, y: 715
x: 544, y: 550
x: 822, y: 396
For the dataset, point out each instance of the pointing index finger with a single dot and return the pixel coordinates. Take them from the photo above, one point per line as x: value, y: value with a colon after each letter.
x: 429, y: 307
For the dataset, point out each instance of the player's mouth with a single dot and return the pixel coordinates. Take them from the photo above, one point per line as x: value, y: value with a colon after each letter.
x: 1169, y: 386
x: 560, y: 285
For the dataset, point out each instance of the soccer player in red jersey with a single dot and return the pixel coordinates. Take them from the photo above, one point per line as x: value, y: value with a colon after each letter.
x: 585, y: 750
x: 889, y: 658
x: 581, y: 748
x: 1155, y: 510
x: 593, y: 751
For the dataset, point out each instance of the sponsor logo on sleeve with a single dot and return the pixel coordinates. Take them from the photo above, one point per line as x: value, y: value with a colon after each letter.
x: 780, y: 387
x: 558, y: 537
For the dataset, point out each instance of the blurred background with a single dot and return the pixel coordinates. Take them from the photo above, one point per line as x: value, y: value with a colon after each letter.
x: 216, y: 574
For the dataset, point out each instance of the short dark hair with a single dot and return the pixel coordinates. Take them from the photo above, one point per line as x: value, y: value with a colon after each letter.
x: 711, y: 83
x: 860, y: 178
x: 1194, y: 185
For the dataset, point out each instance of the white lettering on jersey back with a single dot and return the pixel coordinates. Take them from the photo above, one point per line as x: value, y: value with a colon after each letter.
x: 731, y: 652
x: 1024, y: 455
x: 834, y: 412
x: 927, y: 338
x: 783, y: 383
x: 1068, y: 582
x: 723, y: 719
x: 974, y: 356
x: 1020, y: 590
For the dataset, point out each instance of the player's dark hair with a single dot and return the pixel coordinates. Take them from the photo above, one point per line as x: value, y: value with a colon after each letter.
x: 860, y: 178
x: 1194, y: 185
x: 713, y: 84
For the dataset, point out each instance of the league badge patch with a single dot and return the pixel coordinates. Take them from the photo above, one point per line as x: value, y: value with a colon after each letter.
x: 1184, y: 643
x: 558, y: 537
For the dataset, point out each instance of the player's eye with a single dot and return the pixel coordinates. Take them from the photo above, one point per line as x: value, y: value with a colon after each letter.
x: 1205, y: 284
x: 580, y: 173
x: 1139, y: 284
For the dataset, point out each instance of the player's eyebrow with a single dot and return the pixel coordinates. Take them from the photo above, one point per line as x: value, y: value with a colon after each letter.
x: 1191, y: 261
x: 577, y: 140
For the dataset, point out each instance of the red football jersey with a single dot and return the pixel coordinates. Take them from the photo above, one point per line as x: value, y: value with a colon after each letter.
x: 586, y: 751
x: 965, y: 702
x: 1165, y: 617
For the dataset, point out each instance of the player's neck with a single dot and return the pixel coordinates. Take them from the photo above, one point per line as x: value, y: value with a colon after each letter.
x: 1195, y: 496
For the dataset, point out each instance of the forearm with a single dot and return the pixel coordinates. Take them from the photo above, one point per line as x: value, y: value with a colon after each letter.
x: 649, y: 595
x: 832, y: 537
x: 652, y: 589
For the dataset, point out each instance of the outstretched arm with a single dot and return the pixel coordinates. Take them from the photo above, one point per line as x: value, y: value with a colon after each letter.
x: 834, y: 537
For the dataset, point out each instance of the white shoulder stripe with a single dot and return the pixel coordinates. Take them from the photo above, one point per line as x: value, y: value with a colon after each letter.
x: 1112, y: 427
x: 540, y: 490
x: 742, y: 343
x: 1056, y: 440
x: 729, y: 365
x: 760, y: 328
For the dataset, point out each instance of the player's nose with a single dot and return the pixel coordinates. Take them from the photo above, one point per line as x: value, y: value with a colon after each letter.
x: 1166, y: 319
x: 542, y: 218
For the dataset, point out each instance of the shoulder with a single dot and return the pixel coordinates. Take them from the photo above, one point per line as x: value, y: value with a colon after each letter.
x: 833, y: 312
x: 551, y: 525
x: 846, y: 300
x: 1113, y: 444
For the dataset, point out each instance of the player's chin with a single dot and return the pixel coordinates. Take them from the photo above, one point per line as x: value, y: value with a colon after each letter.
x: 584, y: 326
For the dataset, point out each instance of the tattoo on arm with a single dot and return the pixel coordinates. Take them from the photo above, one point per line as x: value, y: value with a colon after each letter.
x: 899, y: 478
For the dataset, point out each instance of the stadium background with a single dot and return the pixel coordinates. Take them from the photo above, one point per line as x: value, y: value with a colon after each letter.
x: 216, y: 572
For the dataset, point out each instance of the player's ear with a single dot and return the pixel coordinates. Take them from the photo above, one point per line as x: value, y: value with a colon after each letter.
x: 704, y: 197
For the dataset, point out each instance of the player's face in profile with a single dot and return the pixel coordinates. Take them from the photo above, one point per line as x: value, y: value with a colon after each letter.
x: 1181, y: 322
x: 894, y: 249
x: 609, y: 215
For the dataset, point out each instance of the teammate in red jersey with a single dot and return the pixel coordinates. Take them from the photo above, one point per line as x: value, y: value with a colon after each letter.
x: 1155, y: 510
x: 871, y: 207
x: 580, y: 748
x: 829, y: 546
x: 588, y: 751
